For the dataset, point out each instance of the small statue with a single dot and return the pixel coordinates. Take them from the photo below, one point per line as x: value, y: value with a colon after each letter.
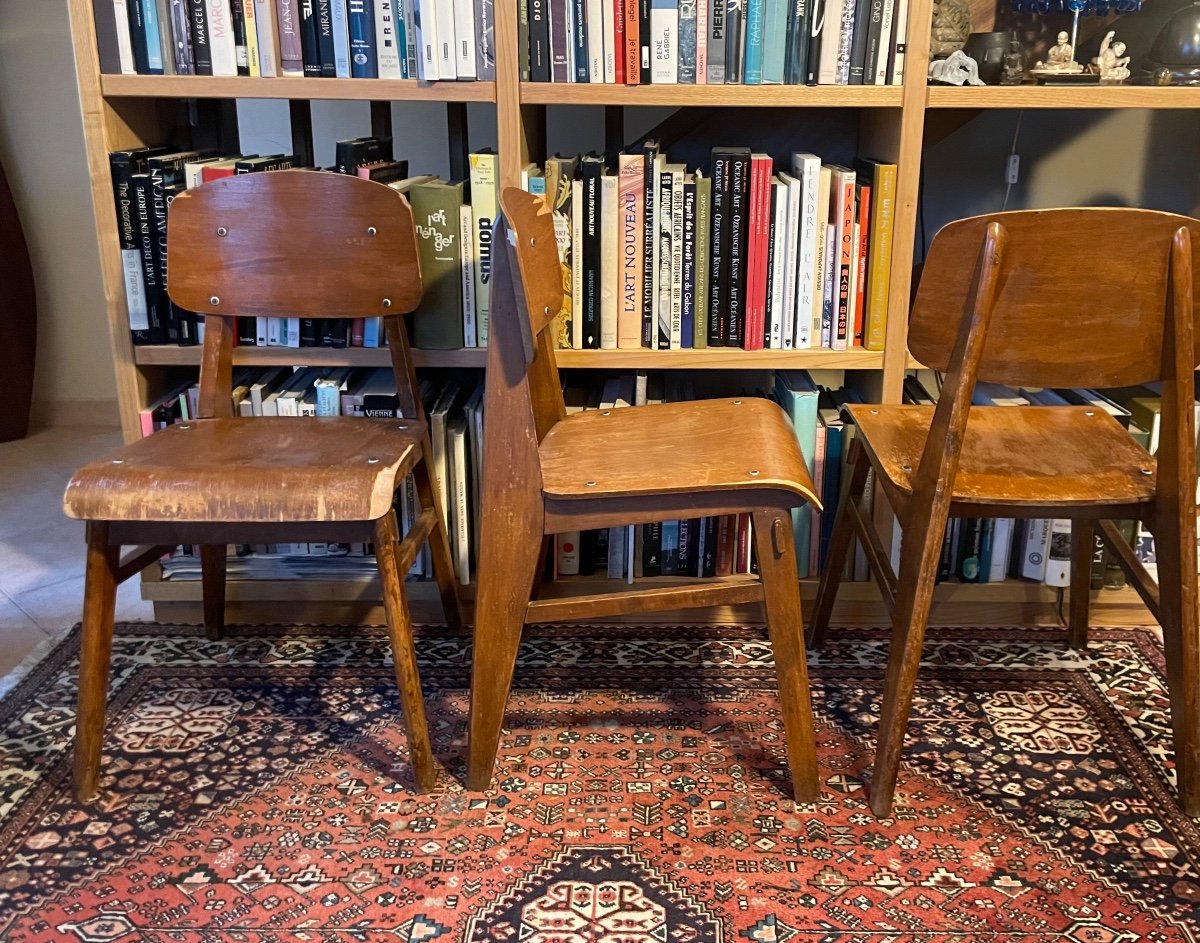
x: 1111, y: 63
x: 1060, y: 59
x: 950, y: 29
x: 1012, y: 71
x: 956, y: 69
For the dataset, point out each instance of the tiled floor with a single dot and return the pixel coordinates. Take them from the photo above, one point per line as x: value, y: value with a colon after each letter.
x: 41, y: 551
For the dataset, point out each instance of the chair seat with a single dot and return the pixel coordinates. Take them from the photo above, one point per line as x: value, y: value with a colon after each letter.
x: 674, y: 448
x: 257, y: 470
x: 1039, y: 455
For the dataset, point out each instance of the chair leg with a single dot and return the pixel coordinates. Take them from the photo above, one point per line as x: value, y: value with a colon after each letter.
x: 212, y: 572
x: 919, y: 554
x: 776, y: 548
x: 1083, y: 541
x: 439, y: 543
x: 1181, y: 643
x: 840, y: 544
x: 404, y: 656
x: 99, y: 600
x: 508, y: 560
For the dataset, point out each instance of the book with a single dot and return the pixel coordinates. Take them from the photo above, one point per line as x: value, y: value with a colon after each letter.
x: 662, y: 257
x: 795, y: 65
x: 363, y: 56
x: 114, y: 45
x: 124, y: 165
x: 390, y: 58
x: 686, y: 74
x: 739, y: 243
x: 467, y: 247
x: 1058, y: 556
x: 797, y: 394
x: 250, y: 30
x: 649, y: 240
x: 484, y: 177
x: 608, y: 261
x: 841, y: 214
x: 754, y: 14
x: 687, y: 283
x: 714, y: 73
x: 630, y: 173
x: 222, y: 47
x: 664, y: 27
x: 485, y: 36
x: 703, y: 256
x: 268, y: 38
x: 592, y: 169
x: 735, y: 41
x: 560, y: 191
x: 539, y: 40
x: 289, y: 20
x: 633, y: 43
x: 718, y: 291
x: 437, y: 322
x: 464, y: 39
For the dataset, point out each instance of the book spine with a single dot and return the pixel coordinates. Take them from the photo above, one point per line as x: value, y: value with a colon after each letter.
x: 795, y: 56
x: 874, y: 31
x: 608, y: 262
x: 649, y: 232
x: 620, y: 28
x: 153, y: 33
x: 437, y: 322
x: 201, y: 44
x: 629, y: 312
x: 702, y: 253
x: 577, y: 264
x: 883, y: 48
x: 466, y: 238
x: 775, y: 42
x: 829, y: 292
x: 363, y: 57
x: 539, y: 41
x: 662, y: 259
x: 158, y: 218
x: 687, y: 41
x: 778, y: 252
x: 739, y: 242
x: 844, y: 220
x: 340, y: 26
x: 609, y: 38
x: 862, y: 233
x: 220, y: 38
x: 137, y: 37
x: 687, y: 318
x: 113, y: 40
x: 676, y: 277
x: 592, y: 170
x: 715, y: 73
x: 645, y: 43
x: 845, y: 45
x: 523, y: 39
x: 268, y: 38
x: 464, y: 39
x: 664, y: 26
x: 128, y: 232
x: 484, y: 177
x: 633, y: 44
x: 718, y: 293
x: 237, y: 25
x: 406, y: 33
x: 880, y: 255
x: 579, y: 40
x: 791, y: 261
x: 388, y: 53
x: 181, y: 37
x: 652, y: 550
x: 858, y: 43
x: 826, y: 42
x: 560, y: 40
x: 250, y: 27
x: 751, y: 330
x: 309, y: 40
x: 701, y: 42
x: 144, y: 234
x: 325, y: 42
x: 755, y: 20
x: 896, y: 57
x: 291, y: 49
x: 485, y: 47
x: 735, y: 41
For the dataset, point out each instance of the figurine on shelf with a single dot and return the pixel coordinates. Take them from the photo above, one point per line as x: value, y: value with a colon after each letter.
x: 950, y: 29
x: 1012, y: 71
x: 1112, y: 63
x: 956, y: 69
x: 1060, y: 59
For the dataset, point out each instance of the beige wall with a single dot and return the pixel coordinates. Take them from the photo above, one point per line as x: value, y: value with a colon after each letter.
x: 41, y: 147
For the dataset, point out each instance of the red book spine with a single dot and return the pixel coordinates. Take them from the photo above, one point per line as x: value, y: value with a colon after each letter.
x: 356, y: 332
x: 619, y: 39
x: 864, y: 232
x: 756, y: 261
x: 633, y: 49
x: 742, y: 563
x: 724, y: 563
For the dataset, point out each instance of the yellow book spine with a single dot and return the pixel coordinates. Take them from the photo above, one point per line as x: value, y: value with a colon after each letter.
x: 883, y: 216
x: 251, y: 38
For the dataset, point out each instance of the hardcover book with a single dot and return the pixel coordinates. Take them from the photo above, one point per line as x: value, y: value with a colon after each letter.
x: 437, y: 323
x: 291, y: 52
x: 631, y: 172
x: 484, y: 177
x: 364, y: 62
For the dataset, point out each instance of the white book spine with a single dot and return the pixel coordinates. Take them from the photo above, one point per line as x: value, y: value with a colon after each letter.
x: 467, y: 243
x: 824, y: 178
x: 265, y: 23
x: 220, y: 38
x: 831, y: 28
x: 274, y: 335
x: 701, y: 44
x: 124, y: 40
x: 677, y: 259
x: 792, y: 263
x: 779, y: 223
x: 885, y: 42
x: 464, y: 38
x: 1037, y: 542
x: 260, y: 332
x: 900, y: 38
x: 806, y: 168
x: 609, y: 262
x: 610, y: 43
x: 483, y: 209
x: 595, y: 39
x: 1058, y: 557
x: 341, y: 38
x: 664, y: 37
x: 447, y: 61
x: 387, y: 48
x: 292, y: 332
x: 462, y: 522
x: 568, y: 553
x: 577, y: 264
x: 428, y: 60
x: 1002, y: 531
x: 135, y: 290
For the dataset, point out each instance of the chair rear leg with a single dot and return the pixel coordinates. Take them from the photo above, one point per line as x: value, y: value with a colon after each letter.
x: 212, y: 572
x: 1083, y: 541
x: 404, y: 656
x: 508, y: 560
x: 99, y: 600
x: 839, y: 546
x: 919, y: 554
x: 1176, y: 542
x: 776, y: 548
x: 439, y: 543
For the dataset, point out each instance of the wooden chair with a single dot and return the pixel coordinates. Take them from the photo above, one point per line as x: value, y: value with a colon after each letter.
x: 544, y: 473
x: 295, y: 244
x: 1006, y: 298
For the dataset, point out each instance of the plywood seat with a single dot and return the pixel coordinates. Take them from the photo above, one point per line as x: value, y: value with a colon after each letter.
x: 268, y: 470
x: 1045, y: 456
x: 674, y: 448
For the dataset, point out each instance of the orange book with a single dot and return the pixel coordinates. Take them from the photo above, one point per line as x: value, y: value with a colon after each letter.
x: 633, y: 49
x: 630, y: 208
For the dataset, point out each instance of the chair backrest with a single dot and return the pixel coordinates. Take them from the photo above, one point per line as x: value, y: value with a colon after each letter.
x: 292, y: 243
x: 1081, y: 296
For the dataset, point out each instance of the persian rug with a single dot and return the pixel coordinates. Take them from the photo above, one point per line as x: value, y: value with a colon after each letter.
x: 257, y: 789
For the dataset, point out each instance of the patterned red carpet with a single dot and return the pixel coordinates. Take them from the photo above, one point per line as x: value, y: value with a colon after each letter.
x: 256, y: 789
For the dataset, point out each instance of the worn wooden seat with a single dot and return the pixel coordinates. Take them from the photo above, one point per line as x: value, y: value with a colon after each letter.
x: 998, y: 301
x: 1054, y: 456
x: 673, y: 448
x: 545, y: 474
x: 286, y: 244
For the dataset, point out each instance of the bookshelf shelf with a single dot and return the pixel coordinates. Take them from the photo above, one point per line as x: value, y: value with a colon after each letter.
x: 173, y: 356
x: 203, y: 86
x: 1062, y: 96
x: 740, y: 96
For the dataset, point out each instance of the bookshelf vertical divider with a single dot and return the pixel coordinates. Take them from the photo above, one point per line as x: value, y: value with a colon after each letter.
x: 129, y: 111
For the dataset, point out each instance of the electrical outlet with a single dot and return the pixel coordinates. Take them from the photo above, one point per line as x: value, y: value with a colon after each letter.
x: 1013, y: 170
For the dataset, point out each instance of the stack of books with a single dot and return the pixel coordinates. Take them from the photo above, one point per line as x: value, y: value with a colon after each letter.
x: 714, y: 42
x: 663, y: 257
x: 362, y: 39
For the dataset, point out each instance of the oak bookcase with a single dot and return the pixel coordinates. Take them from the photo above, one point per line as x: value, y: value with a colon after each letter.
x: 121, y: 111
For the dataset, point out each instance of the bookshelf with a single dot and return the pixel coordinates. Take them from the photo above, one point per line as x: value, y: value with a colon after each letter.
x: 121, y: 111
